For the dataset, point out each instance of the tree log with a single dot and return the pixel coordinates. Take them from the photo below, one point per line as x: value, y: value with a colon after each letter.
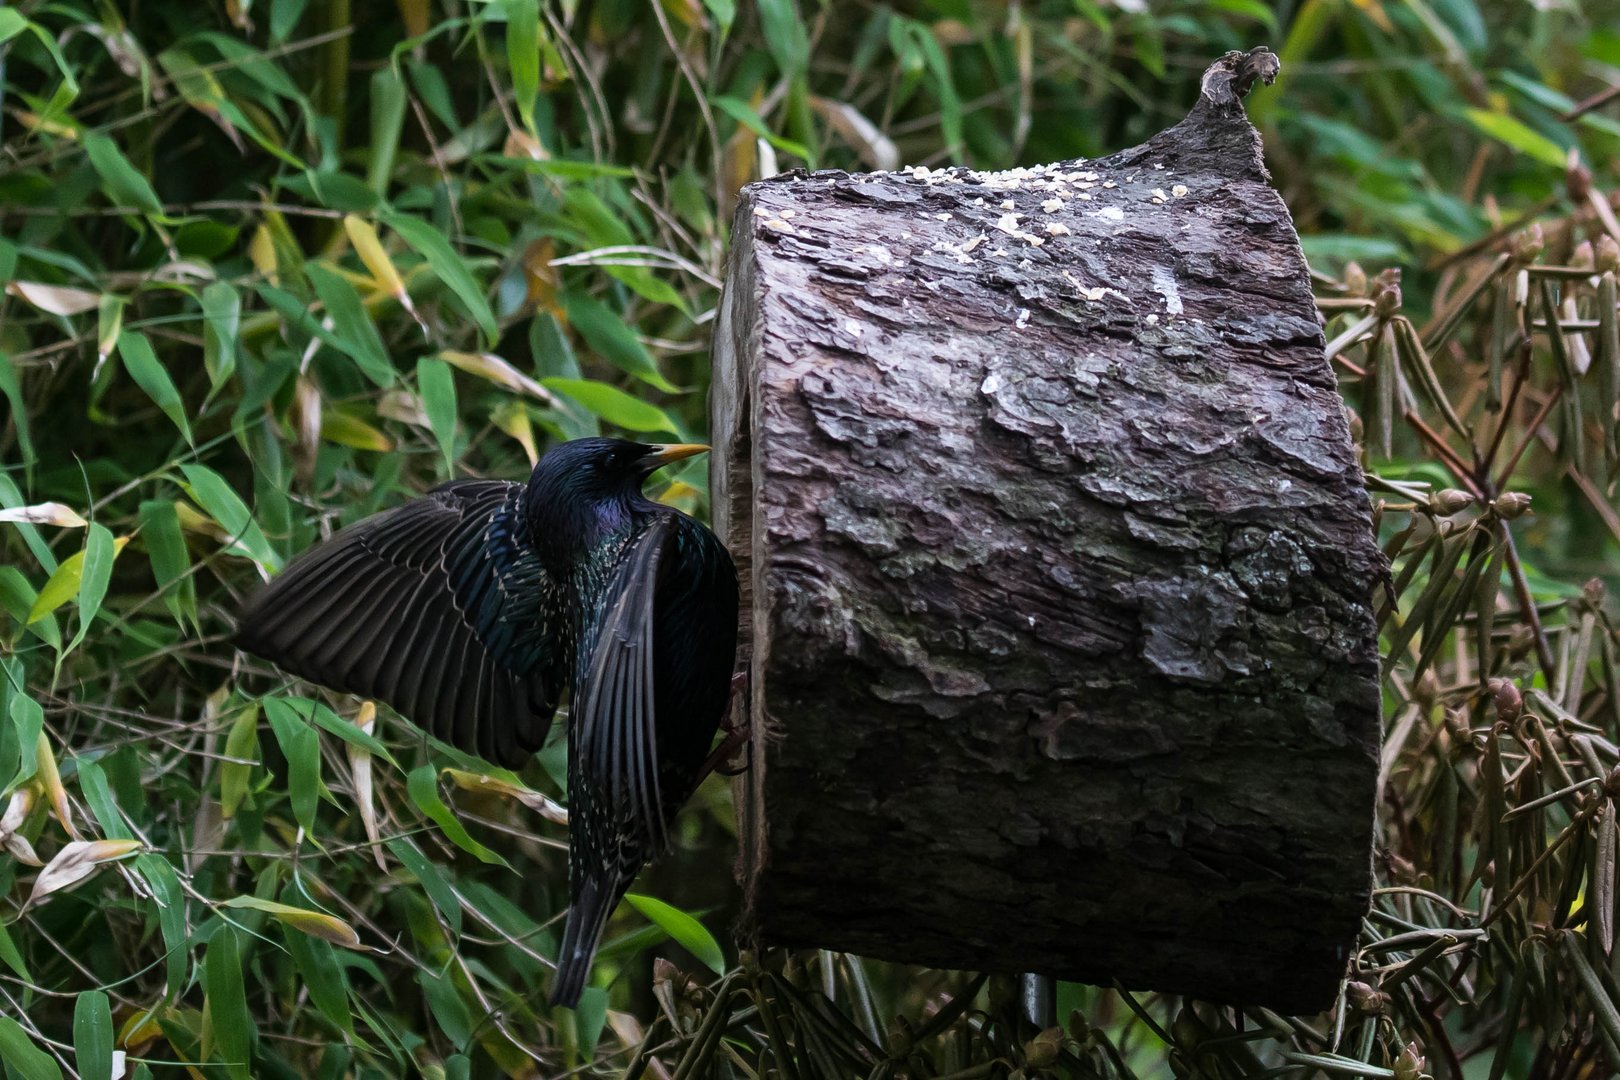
x: 1059, y: 568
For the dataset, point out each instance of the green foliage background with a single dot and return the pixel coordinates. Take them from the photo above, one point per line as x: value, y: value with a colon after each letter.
x: 273, y: 265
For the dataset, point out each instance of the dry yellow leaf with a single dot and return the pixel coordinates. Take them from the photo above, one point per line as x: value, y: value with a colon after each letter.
x: 546, y: 808
x: 375, y: 257
x: 77, y: 861
x: 56, y: 299
x: 48, y: 513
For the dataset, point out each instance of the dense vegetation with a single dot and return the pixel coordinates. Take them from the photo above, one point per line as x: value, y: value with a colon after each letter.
x: 271, y: 266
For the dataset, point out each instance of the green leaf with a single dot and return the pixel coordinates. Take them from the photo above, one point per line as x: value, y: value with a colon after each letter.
x: 302, y: 748
x: 590, y: 1016
x: 170, y: 906
x: 614, y: 405
x: 222, y: 504
x: 12, y: 958
x: 387, y: 121
x: 11, y: 497
x: 93, y: 1036
x: 724, y: 13
x: 1505, y: 129
x: 429, y: 876
x: 292, y: 309
x: 100, y: 550
x: 222, y: 321
x: 123, y: 185
x: 26, y: 719
x: 24, y: 1060
x: 453, y: 1017
x: 150, y: 375
x: 242, y: 744
x: 785, y: 35
x: 61, y: 587
x: 437, y: 388
x: 323, y: 976
x: 351, y: 324
x: 93, y: 785
x: 449, y: 267
x: 745, y: 115
x: 523, y: 55
x: 19, y: 408
x: 423, y: 787
x: 170, y: 558
x: 11, y: 24
x: 314, y: 923
x: 610, y: 336
x: 227, y: 1003
x: 687, y: 931
x: 325, y: 718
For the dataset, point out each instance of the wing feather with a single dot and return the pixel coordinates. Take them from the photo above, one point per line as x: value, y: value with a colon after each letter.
x: 436, y: 607
x: 615, y: 721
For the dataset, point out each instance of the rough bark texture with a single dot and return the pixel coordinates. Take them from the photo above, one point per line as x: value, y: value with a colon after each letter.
x: 1059, y: 566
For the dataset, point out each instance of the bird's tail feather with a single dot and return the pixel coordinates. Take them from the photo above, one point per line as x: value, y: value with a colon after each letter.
x: 587, y: 917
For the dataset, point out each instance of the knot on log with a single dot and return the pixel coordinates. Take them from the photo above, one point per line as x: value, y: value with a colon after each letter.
x: 1058, y: 565
x: 1233, y: 75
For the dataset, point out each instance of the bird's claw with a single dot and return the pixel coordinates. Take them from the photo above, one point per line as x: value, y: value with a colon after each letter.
x: 738, y: 733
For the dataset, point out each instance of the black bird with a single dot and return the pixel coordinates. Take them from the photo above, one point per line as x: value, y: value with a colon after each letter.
x: 469, y: 611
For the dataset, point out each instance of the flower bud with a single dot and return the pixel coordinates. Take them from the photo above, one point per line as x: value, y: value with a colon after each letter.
x: 1365, y: 999
x: 1577, y: 177
x: 1511, y: 504
x: 1509, y: 702
x: 1409, y: 1065
x: 1528, y: 243
x: 1606, y: 254
x: 1450, y: 501
x: 1355, y: 279
x: 1042, y: 1051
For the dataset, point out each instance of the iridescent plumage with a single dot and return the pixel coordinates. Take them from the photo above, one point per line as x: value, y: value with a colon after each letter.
x: 470, y: 609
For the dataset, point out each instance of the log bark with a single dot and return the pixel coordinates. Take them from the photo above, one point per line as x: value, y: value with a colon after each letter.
x: 1059, y: 570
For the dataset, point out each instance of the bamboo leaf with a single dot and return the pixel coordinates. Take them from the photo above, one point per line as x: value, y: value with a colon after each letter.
x: 22, y: 1057
x: 55, y: 299
x: 351, y: 324
x: 222, y: 504
x: 150, y: 375
x: 170, y: 558
x: 222, y: 320
x: 388, y: 103
x: 241, y: 753
x: 449, y: 267
x: 614, y: 405
x: 93, y: 1036
x: 119, y: 179
x: 422, y: 786
x: 170, y: 906
x: 523, y: 56
x: 437, y: 389
x: 100, y: 550
x: 75, y: 862
x: 302, y: 748
x: 683, y: 928
x: 314, y: 923
x: 226, y: 990
x: 609, y: 335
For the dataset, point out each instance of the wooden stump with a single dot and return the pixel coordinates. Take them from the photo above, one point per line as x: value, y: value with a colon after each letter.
x: 1059, y: 570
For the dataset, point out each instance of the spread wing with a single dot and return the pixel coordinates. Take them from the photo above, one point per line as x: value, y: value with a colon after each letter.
x: 437, y: 607
x: 613, y: 722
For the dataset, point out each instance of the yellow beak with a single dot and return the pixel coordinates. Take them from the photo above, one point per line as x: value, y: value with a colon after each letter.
x: 671, y: 452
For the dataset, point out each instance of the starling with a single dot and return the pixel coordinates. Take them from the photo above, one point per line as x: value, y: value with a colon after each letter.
x: 471, y: 609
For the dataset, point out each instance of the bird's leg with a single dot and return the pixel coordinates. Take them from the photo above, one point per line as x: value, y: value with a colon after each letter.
x: 737, y: 733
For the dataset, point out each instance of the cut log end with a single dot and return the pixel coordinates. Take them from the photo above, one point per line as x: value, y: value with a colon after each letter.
x: 1058, y: 569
